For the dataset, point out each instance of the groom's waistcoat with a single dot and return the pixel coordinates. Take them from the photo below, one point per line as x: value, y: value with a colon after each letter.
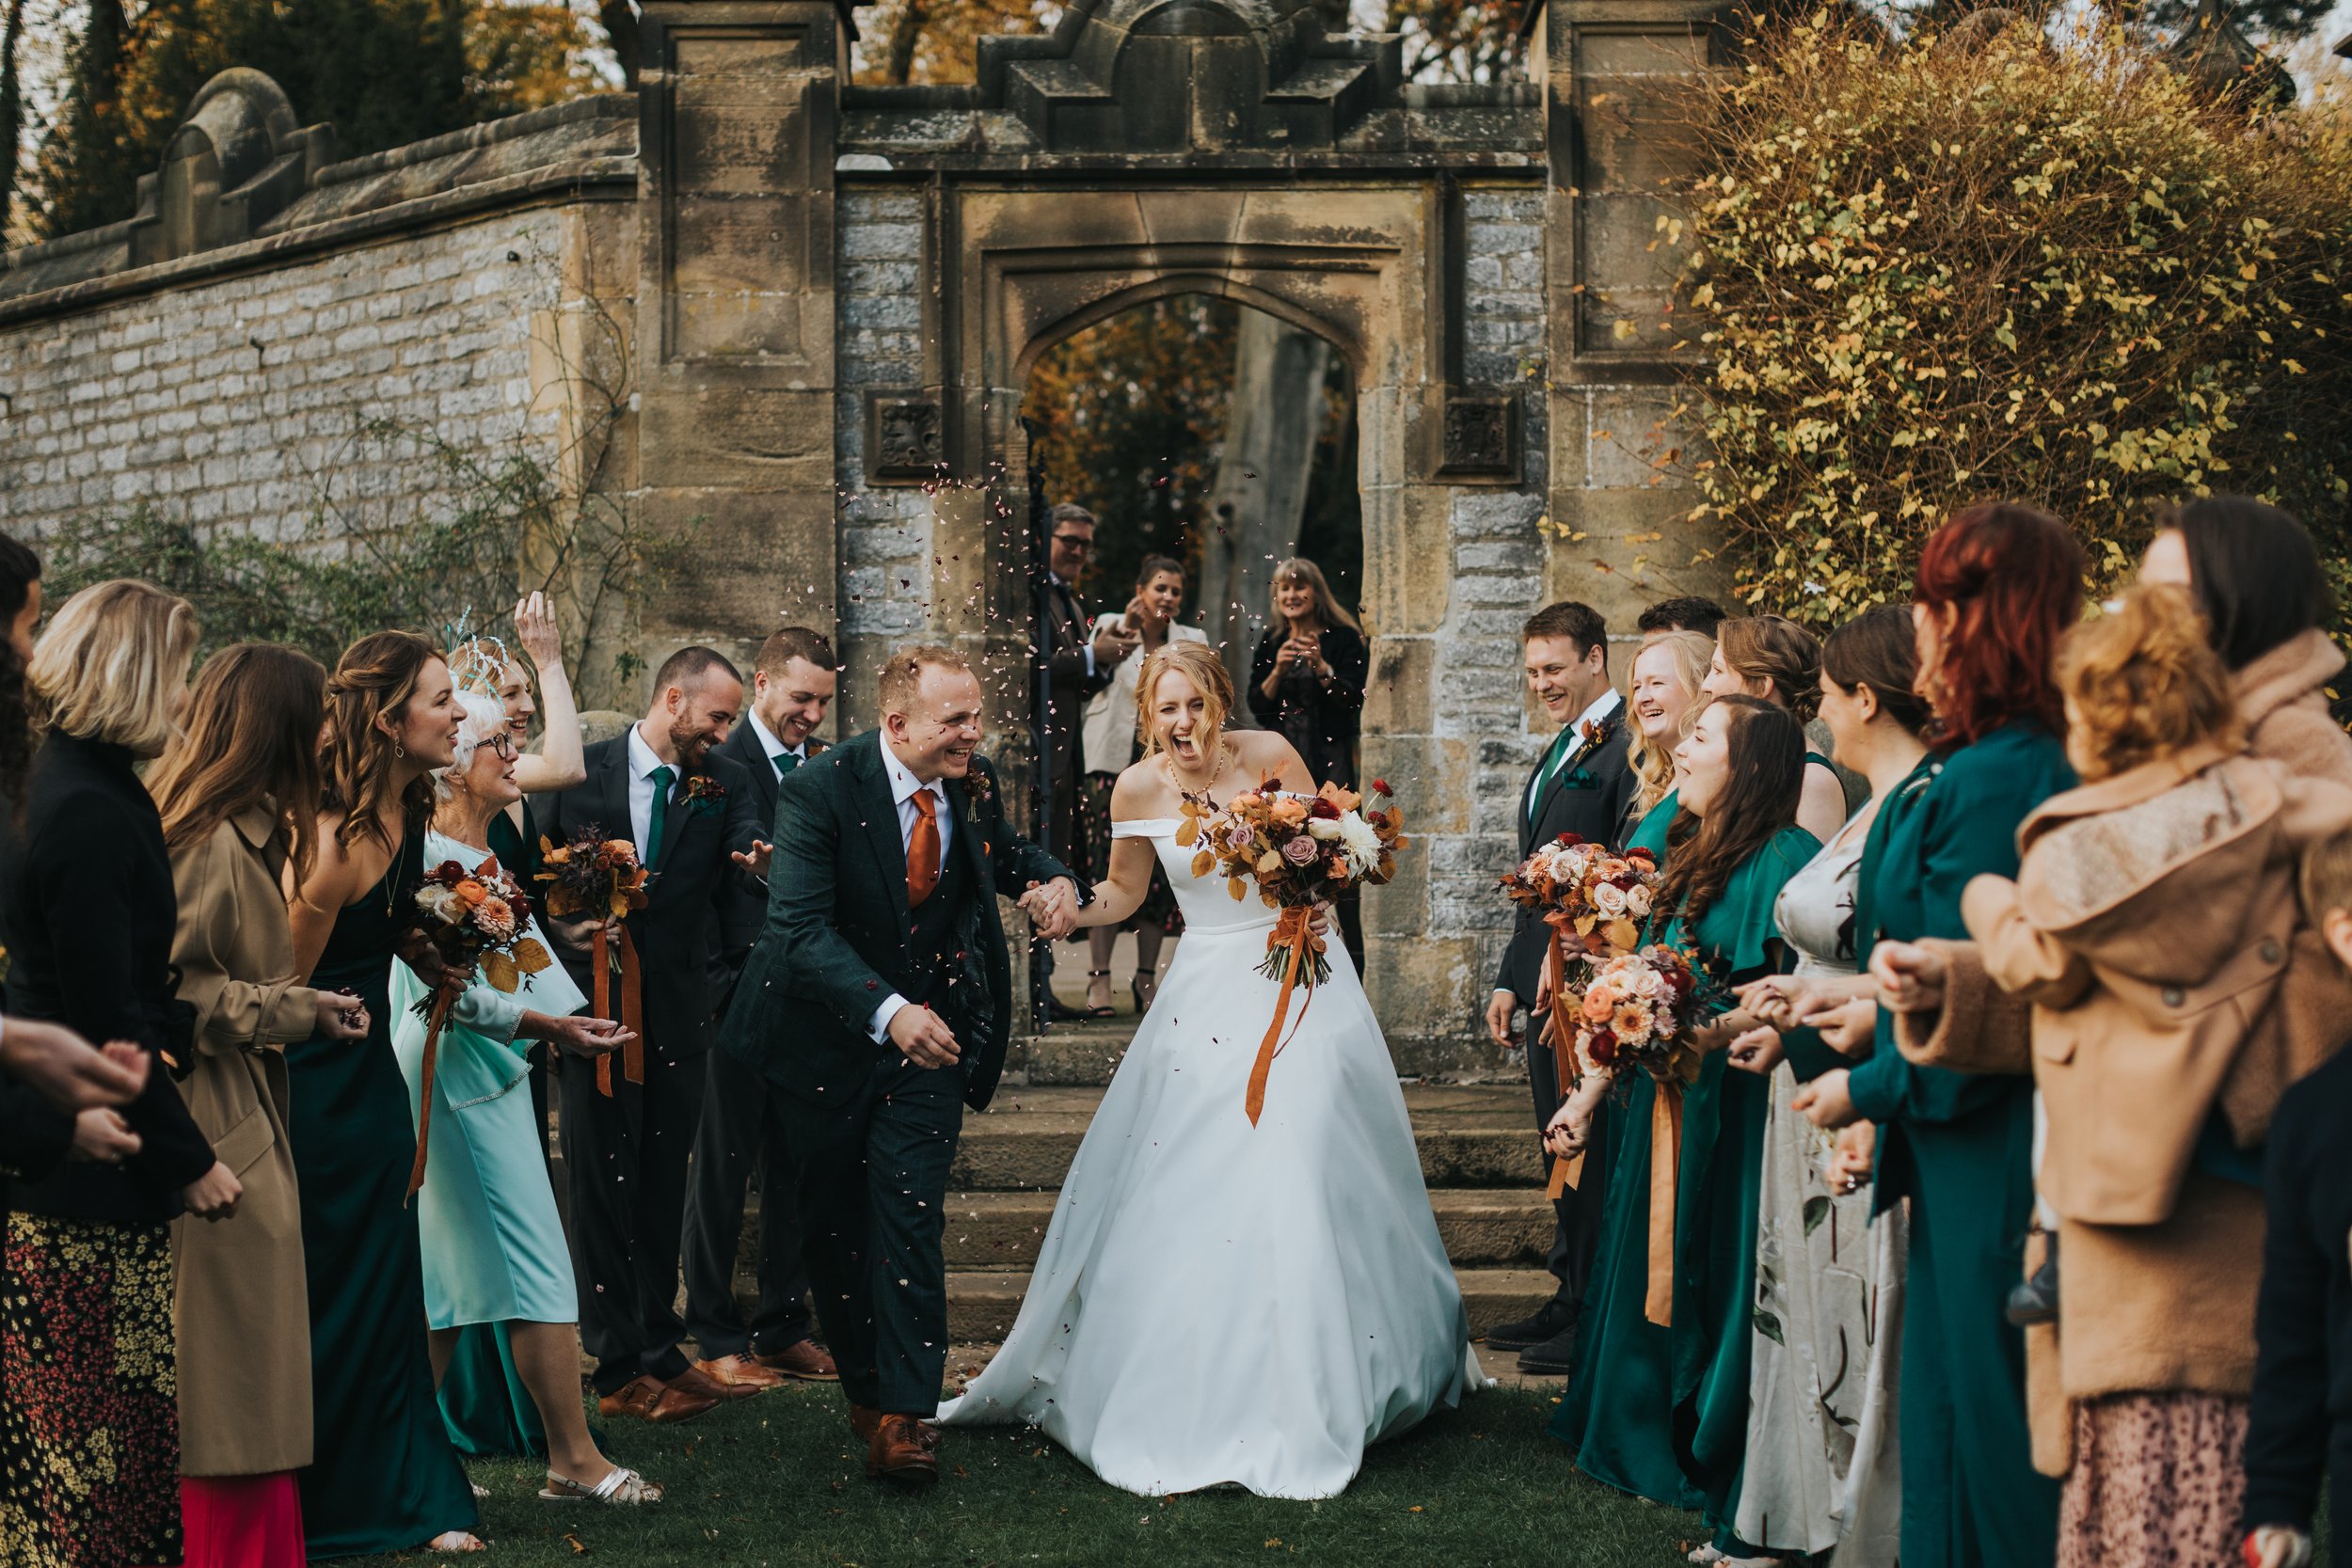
x: 938, y: 937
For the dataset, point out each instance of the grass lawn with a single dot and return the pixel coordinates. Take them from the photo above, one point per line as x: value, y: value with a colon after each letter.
x: 777, y: 1480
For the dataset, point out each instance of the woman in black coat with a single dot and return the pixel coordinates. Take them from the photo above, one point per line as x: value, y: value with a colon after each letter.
x: 1307, y: 683
x: 89, y: 913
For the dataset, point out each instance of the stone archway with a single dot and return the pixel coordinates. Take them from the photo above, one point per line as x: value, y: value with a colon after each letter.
x: 1023, y: 269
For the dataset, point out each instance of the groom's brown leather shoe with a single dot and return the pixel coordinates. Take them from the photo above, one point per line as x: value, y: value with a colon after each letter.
x: 899, y: 1454
x: 865, y: 1422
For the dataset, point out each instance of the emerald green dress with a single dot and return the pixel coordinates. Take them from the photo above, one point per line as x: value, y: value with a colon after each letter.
x: 483, y: 1401
x: 1663, y: 1412
x: 1650, y: 832
x: 383, y: 1476
x: 1960, y: 1147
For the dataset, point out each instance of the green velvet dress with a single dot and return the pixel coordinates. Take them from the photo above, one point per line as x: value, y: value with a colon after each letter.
x: 1663, y: 1412
x: 1650, y: 832
x: 483, y: 1397
x: 383, y: 1476
x: 1960, y: 1147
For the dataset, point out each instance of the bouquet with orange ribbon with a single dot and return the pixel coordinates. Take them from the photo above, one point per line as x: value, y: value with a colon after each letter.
x: 601, y: 879
x: 476, y: 919
x: 1593, y: 898
x: 1301, y: 850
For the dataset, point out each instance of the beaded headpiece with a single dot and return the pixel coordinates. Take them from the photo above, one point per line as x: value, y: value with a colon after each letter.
x: 477, y: 660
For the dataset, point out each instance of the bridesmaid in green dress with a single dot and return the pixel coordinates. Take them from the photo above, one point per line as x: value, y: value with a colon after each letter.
x: 383, y: 1476
x: 1997, y: 584
x: 1774, y: 657
x: 483, y: 1399
x: 1661, y: 1412
x: 1661, y: 691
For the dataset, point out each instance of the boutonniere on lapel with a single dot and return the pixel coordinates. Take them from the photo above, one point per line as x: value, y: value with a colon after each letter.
x: 978, y: 789
x: 706, y: 795
x: 1596, y: 731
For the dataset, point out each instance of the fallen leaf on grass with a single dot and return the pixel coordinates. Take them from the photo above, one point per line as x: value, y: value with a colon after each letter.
x: 579, y: 1548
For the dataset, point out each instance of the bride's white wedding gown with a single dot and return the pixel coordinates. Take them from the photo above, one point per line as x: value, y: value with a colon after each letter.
x: 1221, y: 1303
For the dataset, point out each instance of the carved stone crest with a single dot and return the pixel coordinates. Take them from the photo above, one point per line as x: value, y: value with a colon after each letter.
x: 905, y: 437
x: 1481, y: 436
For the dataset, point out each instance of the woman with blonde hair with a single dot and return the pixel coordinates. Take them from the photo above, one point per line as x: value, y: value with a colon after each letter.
x: 1666, y: 688
x: 1288, y: 1275
x: 86, y: 911
x: 383, y: 1476
x: 239, y: 797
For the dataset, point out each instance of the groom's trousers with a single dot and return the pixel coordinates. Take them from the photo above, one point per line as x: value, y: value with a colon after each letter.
x: 873, y: 1188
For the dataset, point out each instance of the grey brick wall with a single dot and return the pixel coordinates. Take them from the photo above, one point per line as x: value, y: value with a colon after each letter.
x: 233, y: 402
x: 885, y: 585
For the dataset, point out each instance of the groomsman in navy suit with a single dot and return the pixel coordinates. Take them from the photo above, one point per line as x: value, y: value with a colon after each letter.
x: 742, y: 1128
x: 1581, y: 785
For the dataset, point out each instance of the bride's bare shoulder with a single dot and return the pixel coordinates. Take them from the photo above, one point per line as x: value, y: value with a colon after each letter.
x: 1141, y: 790
x: 1261, y: 753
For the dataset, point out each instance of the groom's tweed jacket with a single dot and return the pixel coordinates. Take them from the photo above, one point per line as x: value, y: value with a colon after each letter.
x: 837, y: 940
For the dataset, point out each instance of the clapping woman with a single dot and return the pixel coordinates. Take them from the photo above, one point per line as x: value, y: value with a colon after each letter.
x: 239, y: 797
x: 1306, y: 685
x: 1655, y: 1410
x: 89, y: 1425
x: 383, y: 1476
x: 493, y: 1244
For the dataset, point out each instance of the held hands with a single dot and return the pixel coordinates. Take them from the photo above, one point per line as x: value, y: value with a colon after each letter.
x: 1848, y: 1030
x: 66, y: 1070
x: 1571, y: 1125
x: 923, y: 1038
x: 1758, y: 1050
x: 1825, y: 1101
x: 1910, y: 976
x: 340, y: 1016
x: 2277, y: 1546
x: 102, y: 1137
x: 573, y: 934
x: 1052, y: 907
x: 1849, y: 1161
x: 214, y: 1195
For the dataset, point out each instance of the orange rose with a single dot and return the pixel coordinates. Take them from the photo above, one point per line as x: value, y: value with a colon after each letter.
x: 1289, y: 812
x: 470, y: 892
x: 1599, y: 1003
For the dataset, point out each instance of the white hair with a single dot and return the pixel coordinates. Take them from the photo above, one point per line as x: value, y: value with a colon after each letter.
x: 484, y: 717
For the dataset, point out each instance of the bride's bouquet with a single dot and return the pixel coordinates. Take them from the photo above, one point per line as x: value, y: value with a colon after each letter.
x: 477, y: 919
x: 1301, y: 850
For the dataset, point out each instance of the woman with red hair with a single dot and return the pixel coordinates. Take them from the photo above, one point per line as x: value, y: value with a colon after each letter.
x: 1997, y: 586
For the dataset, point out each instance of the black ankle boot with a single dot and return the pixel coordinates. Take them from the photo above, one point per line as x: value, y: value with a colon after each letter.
x: 2035, y: 1300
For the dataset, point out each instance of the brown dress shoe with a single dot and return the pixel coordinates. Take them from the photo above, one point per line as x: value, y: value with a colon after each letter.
x: 737, y: 1376
x: 803, y: 1361
x: 901, y: 1455
x: 865, y: 1421
x: 649, y: 1399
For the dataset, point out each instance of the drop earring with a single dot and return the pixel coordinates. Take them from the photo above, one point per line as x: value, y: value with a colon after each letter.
x: 398, y: 750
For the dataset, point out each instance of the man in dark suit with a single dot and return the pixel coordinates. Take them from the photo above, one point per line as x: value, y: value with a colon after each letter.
x: 1581, y: 785
x: 742, y: 1128
x: 625, y: 1144
x: 876, y: 1003
x: 1078, y: 664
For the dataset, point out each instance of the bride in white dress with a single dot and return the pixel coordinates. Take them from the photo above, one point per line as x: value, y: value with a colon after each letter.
x: 1215, y: 1302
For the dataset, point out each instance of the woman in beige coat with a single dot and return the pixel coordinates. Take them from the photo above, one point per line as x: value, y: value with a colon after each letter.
x: 2152, y: 928
x: 238, y: 795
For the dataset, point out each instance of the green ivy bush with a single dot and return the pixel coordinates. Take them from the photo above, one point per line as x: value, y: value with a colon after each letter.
x: 1932, y: 275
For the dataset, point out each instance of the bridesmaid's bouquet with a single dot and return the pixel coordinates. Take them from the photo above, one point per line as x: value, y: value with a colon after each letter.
x: 1638, y: 1009
x: 473, y: 920
x: 1588, y: 889
x: 600, y: 879
x: 1301, y: 850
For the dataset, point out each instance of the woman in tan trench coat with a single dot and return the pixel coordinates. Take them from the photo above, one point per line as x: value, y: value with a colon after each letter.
x: 238, y: 795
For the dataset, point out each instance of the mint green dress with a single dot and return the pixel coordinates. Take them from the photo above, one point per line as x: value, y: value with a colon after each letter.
x: 1960, y: 1147
x: 1663, y: 1412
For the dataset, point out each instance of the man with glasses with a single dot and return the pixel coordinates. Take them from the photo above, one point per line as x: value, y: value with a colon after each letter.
x: 1077, y: 665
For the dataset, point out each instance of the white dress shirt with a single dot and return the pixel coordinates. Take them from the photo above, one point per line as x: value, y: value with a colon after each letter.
x: 774, y: 747
x: 904, y: 788
x: 1603, y: 706
x: 642, y: 762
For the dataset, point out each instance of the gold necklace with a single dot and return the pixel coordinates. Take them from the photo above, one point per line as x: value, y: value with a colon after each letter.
x: 1168, y: 765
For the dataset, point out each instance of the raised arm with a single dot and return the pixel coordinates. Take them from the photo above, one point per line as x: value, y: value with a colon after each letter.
x: 560, y: 762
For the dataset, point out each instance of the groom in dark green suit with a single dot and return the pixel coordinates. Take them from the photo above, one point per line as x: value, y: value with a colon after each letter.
x: 878, y: 1003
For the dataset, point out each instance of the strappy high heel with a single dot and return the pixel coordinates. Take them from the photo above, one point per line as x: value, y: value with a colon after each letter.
x: 1095, y: 1009
x: 1145, y: 989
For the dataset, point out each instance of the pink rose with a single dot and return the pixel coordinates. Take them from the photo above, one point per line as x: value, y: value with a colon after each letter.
x: 1299, y: 850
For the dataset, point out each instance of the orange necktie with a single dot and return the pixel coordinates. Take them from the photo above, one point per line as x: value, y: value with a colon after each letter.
x: 923, y: 850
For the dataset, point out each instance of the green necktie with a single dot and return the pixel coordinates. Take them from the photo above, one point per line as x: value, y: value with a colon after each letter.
x: 1553, y: 758
x: 786, y: 761
x: 662, y: 779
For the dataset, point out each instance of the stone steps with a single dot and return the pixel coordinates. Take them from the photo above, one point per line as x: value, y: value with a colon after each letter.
x: 982, y: 1304
x: 1481, y: 1227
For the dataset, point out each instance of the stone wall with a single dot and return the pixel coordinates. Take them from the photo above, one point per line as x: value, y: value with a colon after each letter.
x: 240, y: 400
